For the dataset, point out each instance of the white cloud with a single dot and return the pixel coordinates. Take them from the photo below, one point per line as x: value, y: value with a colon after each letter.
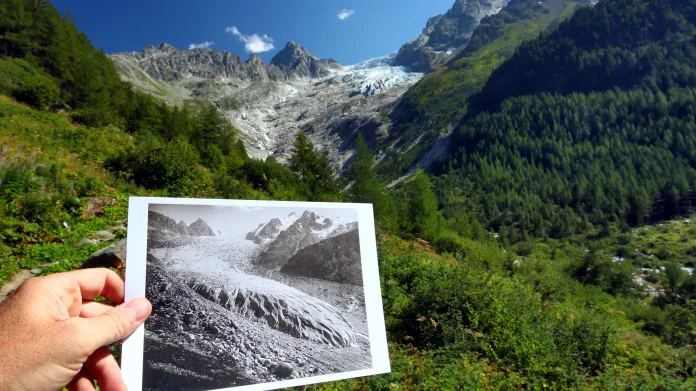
x: 202, y: 45
x: 345, y: 14
x: 253, y: 43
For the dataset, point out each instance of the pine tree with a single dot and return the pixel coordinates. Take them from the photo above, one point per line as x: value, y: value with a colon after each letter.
x: 367, y: 186
x: 313, y: 169
x: 423, y: 207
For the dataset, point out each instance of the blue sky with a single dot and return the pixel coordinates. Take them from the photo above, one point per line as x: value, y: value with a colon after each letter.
x: 373, y: 28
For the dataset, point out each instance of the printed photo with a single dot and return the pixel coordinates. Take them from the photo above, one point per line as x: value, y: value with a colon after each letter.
x: 256, y: 295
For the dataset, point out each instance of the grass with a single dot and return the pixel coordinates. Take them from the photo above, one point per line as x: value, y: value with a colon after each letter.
x: 62, y: 162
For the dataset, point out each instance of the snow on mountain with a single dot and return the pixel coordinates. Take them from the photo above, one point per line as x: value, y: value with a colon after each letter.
x: 277, y: 246
x: 268, y: 232
x: 270, y: 104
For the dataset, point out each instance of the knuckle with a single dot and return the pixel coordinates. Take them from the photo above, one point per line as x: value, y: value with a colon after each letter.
x: 120, y: 325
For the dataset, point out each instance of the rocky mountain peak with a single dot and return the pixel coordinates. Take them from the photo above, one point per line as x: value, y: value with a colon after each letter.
x: 446, y: 33
x: 282, y: 238
x: 300, y: 61
x: 255, y: 59
x: 200, y: 228
x: 165, y: 224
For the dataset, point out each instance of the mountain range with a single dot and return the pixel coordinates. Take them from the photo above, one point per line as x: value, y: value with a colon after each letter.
x: 297, y: 91
x: 283, y: 239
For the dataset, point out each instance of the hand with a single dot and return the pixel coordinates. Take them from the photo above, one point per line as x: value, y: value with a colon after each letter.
x: 53, y: 336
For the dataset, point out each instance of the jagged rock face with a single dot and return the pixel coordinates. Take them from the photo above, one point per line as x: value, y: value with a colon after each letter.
x: 334, y: 259
x: 166, y: 63
x: 266, y: 232
x: 158, y: 221
x: 200, y: 228
x: 300, y: 235
x: 344, y: 228
x: 165, y: 232
x: 270, y: 111
x: 299, y: 61
x: 281, y: 307
x: 161, y: 222
x: 281, y: 239
x: 444, y: 34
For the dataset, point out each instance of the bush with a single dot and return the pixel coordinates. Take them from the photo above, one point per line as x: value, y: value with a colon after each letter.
x: 94, y: 117
x: 155, y: 164
x: 27, y: 83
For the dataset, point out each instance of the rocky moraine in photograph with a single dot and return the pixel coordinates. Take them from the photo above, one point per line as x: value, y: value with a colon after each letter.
x: 252, y: 295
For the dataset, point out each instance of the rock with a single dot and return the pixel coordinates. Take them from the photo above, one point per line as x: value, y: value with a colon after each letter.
x: 336, y: 259
x: 284, y: 370
x: 297, y: 60
x: 189, y: 319
x: 95, y: 206
x: 301, y: 234
x: 35, y: 271
x: 113, y: 256
x: 104, y: 236
x: 167, y: 63
x: 85, y: 241
x: 275, y: 95
x: 212, y: 329
x: 444, y: 34
x: 200, y: 228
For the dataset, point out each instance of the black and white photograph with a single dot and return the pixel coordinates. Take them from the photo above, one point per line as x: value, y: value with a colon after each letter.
x: 267, y: 294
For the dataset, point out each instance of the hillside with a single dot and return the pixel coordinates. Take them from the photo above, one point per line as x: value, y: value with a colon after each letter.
x: 428, y: 113
x: 550, y: 247
x: 605, y: 140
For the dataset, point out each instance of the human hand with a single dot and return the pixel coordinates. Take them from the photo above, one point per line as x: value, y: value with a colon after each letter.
x: 52, y: 335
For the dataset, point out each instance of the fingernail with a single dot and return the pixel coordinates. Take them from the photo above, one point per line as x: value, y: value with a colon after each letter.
x: 137, y: 309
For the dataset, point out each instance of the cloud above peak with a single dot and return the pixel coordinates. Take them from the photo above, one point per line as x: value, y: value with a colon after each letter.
x: 252, y: 43
x: 345, y: 14
x: 202, y: 45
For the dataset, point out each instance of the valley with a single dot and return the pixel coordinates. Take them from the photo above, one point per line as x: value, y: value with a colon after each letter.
x: 215, y: 294
x: 530, y: 163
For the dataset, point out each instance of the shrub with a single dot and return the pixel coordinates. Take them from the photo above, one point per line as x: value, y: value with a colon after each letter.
x: 155, y: 164
x: 27, y: 83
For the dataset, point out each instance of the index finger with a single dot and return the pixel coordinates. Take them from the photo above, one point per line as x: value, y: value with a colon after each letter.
x: 97, y: 282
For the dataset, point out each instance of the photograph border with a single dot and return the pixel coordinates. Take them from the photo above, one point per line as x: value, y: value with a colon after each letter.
x: 133, y: 347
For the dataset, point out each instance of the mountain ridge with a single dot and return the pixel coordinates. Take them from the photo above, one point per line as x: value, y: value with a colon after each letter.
x: 446, y: 33
x: 167, y: 63
x: 281, y: 239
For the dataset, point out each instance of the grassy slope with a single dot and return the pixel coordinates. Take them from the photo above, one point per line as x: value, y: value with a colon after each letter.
x: 412, y: 275
x: 639, y: 362
x: 163, y: 90
x: 439, y: 101
x: 37, y: 139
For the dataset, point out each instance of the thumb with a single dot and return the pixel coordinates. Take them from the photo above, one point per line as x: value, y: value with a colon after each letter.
x: 115, y: 324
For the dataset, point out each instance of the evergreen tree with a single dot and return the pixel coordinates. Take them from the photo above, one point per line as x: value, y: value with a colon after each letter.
x: 368, y: 187
x: 423, y: 216
x: 313, y: 170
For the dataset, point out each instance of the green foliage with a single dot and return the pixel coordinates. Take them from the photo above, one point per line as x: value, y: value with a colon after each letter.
x: 82, y: 77
x: 368, y: 187
x: 642, y: 43
x: 595, y: 269
x: 26, y: 83
x: 432, y: 108
x: 313, y: 170
x: 155, y: 164
x: 420, y: 213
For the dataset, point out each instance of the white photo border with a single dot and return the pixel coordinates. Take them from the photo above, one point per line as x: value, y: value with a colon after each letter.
x: 136, y: 250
